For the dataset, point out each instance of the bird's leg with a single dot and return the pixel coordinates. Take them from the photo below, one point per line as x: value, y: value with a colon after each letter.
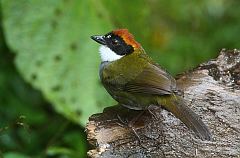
x: 150, y: 108
x: 122, y: 122
x: 135, y: 119
x: 130, y: 124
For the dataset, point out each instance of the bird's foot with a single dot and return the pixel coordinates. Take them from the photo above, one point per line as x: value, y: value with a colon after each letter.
x: 130, y: 124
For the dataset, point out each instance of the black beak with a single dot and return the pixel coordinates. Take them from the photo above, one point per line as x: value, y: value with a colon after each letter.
x: 99, y: 39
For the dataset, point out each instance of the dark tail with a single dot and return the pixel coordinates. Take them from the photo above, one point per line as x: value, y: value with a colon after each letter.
x: 177, y: 106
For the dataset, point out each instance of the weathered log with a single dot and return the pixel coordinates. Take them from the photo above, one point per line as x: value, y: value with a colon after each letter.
x: 212, y: 90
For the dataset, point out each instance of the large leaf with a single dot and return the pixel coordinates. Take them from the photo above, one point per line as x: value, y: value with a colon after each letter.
x: 55, y: 54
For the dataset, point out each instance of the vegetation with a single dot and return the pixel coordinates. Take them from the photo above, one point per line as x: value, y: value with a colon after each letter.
x: 49, y: 82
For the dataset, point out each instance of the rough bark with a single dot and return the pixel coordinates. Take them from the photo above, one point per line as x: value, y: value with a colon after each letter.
x: 212, y: 90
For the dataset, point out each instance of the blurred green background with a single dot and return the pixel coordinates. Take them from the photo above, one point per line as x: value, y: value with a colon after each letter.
x: 49, y: 82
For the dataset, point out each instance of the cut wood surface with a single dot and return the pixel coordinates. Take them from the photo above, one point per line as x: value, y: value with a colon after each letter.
x: 212, y: 90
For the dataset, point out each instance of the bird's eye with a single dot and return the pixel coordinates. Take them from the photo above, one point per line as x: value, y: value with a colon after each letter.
x: 109, y: 36
x: 115, y: 42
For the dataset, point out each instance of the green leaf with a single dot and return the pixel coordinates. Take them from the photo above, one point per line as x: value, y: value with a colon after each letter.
x: 14, y: 155
x: 56, y: 150
x: 55, y: 54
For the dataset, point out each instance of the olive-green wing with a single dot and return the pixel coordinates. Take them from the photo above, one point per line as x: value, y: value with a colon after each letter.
x: 155, y: 81
x: 152, y: 80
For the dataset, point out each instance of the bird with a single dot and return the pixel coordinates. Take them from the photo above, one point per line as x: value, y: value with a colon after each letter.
x: 136, y: 82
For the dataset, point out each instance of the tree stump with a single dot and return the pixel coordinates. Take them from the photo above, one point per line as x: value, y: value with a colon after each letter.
x: 212, y: 90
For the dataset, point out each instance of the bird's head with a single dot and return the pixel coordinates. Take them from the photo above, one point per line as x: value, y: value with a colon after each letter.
x: 116, y: 44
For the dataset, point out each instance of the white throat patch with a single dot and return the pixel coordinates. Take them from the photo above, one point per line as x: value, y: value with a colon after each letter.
x: 107, y: 54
